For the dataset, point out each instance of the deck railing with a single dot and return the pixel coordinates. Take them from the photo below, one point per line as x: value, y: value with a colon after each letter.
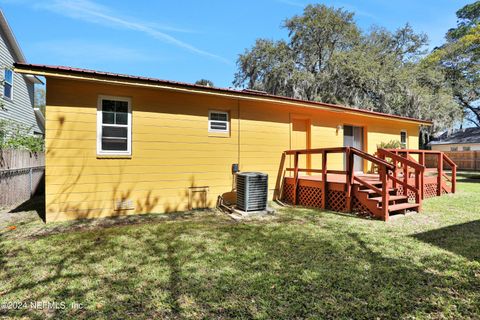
x: 441, y: 160
x: 384, y: 170
x: 397, y: 170
x: 405, y: 167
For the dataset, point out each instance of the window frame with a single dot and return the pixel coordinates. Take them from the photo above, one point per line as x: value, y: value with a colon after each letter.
x: 466, y: 148
x: 453, y: 149
x: 227, y: 130
x: 402, y: 146
x: 100, y: 125
x: 9, y: 83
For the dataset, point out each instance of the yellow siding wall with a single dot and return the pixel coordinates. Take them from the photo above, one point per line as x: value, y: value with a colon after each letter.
x: 172, y: 149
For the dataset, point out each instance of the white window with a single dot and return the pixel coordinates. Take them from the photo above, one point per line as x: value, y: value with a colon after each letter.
x: 218, y: 121
x: 8, y: 84
x: 453, y: 148
x: 114, y: 126
x: 403, y: 140
x: 466, y: 148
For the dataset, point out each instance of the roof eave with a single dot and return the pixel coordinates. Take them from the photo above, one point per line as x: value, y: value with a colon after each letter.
x: 79, y: 74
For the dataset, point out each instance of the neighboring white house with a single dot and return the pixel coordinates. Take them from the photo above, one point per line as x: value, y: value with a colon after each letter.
x: 16, y: 90
x: 462, y: 140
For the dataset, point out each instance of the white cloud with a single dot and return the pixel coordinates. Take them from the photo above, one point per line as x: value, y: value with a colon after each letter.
x: 89, y: 11
x: 357, y: 11
x: 86, y: 53
x: 292, y: 3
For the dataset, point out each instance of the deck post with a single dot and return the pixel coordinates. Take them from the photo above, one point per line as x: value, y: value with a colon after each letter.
x: 295, y: 179
x: 440, y: 173
x: 385, y: 193
x: 422, y: 185
x: 421, y: 158
x: 419, y: 187
x: 348, y: 180
x: 405, y: 179
x: 395, y: 174
x: 324, y: 179
x: 454, y: 178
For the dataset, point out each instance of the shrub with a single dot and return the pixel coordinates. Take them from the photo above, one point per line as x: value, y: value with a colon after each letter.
x: 18, y: 136
x: 392, y: 144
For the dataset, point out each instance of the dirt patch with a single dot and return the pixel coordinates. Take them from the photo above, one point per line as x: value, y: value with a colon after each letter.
x: 34, y: 207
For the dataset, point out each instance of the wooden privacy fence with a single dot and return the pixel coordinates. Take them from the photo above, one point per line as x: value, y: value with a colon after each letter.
x: 21, y: 175
x: 465, y: 160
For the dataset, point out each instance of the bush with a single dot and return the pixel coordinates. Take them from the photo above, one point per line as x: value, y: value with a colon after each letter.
x: 18, y: 136
x: 392, y: 144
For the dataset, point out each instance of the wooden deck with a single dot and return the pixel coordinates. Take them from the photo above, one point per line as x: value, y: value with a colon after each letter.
x: 339, y: 178
x: 342, y: 178
x: 379, y: 194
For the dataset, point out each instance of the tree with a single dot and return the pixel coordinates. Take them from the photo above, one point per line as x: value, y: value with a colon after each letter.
x: 205, y: 82
x: 459, y: 57
x: 40, y: 98
x: 299, y: 68
x: 328, y: 58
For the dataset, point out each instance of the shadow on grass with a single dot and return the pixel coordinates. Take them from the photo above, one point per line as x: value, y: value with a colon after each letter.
x: 139, y: 220
x: 470, y: 177
x: 36, y: 203
x: 209, y: 269
x: 462, y: 239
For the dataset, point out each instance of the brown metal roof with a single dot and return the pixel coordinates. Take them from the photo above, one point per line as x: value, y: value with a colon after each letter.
x: 175, y: 84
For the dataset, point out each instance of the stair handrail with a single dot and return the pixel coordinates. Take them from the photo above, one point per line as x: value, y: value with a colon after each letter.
x: 441, y: 158
x: 399, y: 158
x: 453, y: 165
x: 383, y: 170
x: 449, y: 160
x: 406, y: 163
x: 371, y: 158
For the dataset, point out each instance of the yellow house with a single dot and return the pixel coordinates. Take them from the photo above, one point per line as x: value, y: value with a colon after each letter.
x: 118, y: 144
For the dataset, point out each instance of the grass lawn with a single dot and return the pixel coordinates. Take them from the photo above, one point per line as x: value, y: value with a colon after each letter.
x: 299, y: 264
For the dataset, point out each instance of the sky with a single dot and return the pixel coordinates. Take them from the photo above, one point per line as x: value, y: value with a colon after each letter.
x: 187, y: 40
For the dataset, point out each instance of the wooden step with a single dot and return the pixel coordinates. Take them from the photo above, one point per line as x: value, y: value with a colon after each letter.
x: 374, y: 183
x: 402, y: 206
x: 391, y: 198
x: 370, y: 191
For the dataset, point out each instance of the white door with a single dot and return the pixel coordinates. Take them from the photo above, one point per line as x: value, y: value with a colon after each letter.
x: 353, y: 137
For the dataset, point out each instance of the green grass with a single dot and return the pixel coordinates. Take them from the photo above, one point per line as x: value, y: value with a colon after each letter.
x: 299, y: 264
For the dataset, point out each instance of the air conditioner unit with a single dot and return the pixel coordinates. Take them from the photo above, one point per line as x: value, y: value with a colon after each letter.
x: 252, y: 191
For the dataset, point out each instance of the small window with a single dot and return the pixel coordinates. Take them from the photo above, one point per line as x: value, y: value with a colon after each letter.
x: 114, y: 126
x: 8, y: 84
x: 466, y: 148
x: 218, y: 121
x: 403, y: 140
x: 453, y: 148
